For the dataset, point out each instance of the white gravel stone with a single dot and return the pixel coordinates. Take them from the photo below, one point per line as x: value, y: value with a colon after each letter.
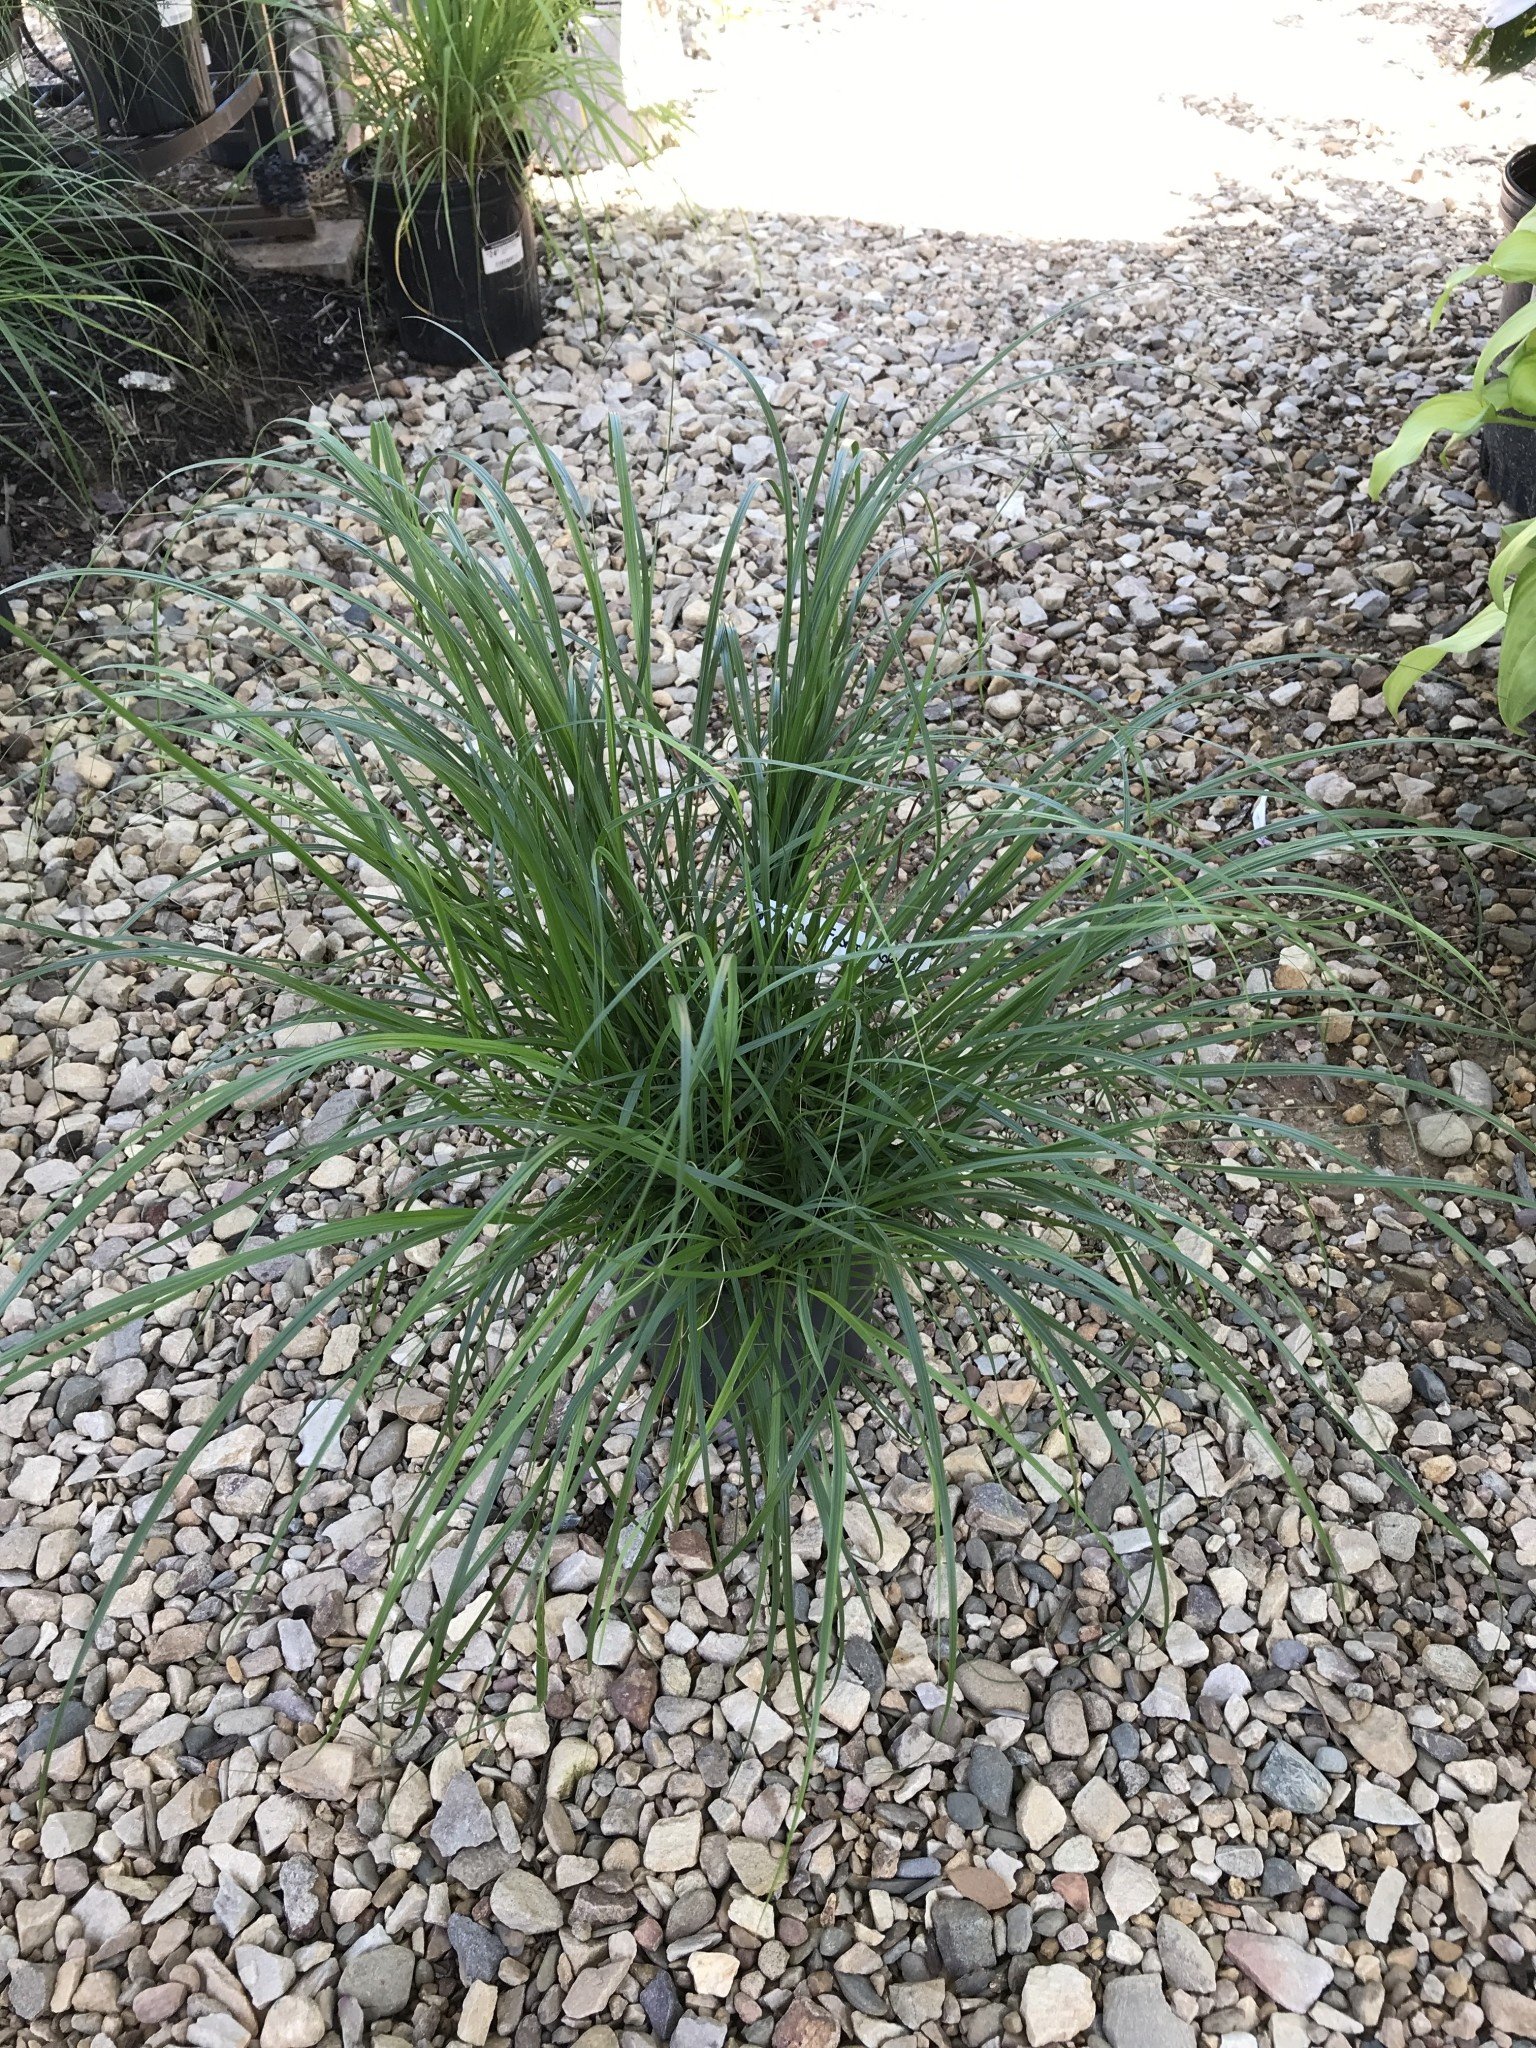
x: 1057, y: 2004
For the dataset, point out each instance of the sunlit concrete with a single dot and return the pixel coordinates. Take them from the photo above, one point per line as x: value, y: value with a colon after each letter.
x: 1113, y: 119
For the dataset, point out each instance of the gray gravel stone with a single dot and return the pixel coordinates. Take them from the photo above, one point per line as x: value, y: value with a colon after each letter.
x: 989, y: 1776
x: 380, y: 1979
x: 1135, y: 2014
x: 963, y: 1931
x: 1287, y: 1778
x: 479, y: 1949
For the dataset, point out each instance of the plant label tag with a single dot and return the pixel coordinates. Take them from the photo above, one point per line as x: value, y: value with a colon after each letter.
x: 13, y: 78
x: 174, y: 13
x: 506, y: 254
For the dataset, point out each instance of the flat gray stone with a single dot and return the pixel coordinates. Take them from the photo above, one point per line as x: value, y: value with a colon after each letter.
x: 1444, y: 1135
x: 1066, y: 1729
x: 479, y: 1949
x: 964, y: 1934
x: 463, y: 1820
x: 1282, y: 1969
x: 380, y: 1979
x: 1293, y: 1781
x: 1446, y: 1665
x: 994, y: 1689
x: 525, y: 1903
x: 989, y: 1775
x: 1187, y: 1963
x: 1135, y: 2014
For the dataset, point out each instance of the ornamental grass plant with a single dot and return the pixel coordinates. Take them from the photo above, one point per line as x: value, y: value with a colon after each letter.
x: 447, y: 89
x: 710, y: 1049
x: 96, y: 292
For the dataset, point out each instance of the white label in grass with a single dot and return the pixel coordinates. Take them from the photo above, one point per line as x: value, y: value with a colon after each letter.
x: 13, y: 78
x: 506, y: 254
x: 173, y: 13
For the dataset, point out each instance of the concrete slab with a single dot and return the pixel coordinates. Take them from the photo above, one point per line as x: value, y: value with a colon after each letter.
x: 331, y: 256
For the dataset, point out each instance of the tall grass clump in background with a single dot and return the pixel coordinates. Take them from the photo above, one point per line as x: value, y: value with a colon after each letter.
x: 93, y: 290
x: 709, y: 1054
x: 445, y: 89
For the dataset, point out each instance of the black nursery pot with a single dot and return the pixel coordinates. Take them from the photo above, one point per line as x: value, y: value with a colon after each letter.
x: 136, y: 70
x: 1507, y: 454
x: 461, y: 276
x: 234, y: 49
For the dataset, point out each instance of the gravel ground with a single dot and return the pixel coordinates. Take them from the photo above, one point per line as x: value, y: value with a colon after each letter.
x: 1299, y: 1814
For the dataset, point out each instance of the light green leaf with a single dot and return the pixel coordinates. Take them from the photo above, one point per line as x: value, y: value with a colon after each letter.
x: 1457, y: 413
x: 1514, y: 260
x: 1517, y: 545
x: 1478, y: 629
x: 1507, y: 335
x: 1517, y: 657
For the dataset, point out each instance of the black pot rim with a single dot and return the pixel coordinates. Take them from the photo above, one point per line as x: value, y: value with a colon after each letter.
x: 357, y: 171
x: 1520, y: 174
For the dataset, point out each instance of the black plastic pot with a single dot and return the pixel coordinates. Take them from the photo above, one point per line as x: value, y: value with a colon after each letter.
x: 137, y: 67
x: 234, y: 52
x: 461, y: 270
x: 1508, y: 453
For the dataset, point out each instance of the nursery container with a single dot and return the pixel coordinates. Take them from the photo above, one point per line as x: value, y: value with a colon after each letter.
x: 1508, y: 453
x: 139, y: 61
x: 460, y: 269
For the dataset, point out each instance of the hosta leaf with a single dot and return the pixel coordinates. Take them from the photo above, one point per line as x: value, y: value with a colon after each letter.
x: 1517, y: 545
x: 1517, y: 657
x: 1478, y: 629
x: 1457, y: 413
x: 1507, y: 335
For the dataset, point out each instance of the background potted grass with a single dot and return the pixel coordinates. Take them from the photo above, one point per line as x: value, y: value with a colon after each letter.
x: 705, y: 1054
x: 451, y: 96
x: 97, y: 290
x: 133, y: 60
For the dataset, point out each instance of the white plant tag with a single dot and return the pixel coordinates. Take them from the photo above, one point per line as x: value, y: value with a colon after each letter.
x: 173, y: 13
x: 506, y: 254
x: 13, y: 78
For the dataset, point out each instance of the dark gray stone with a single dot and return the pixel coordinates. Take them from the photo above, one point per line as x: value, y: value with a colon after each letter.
x: 1280, y: 1878
x: 382, y: 1451
x: 1018, y: 1930
x: 63, y: 1725
x: 1107, y: 1490
x: 1202, y: 1609
x: 75, y: 1396
x: 478, y: 1949
x: 693, y: 1911
x: 663, y: 2007
x: 866, y: 1664
x: 964, y: 1809
x: 333, y: 1115
x: 963, y: 1931
x: 1288, y: 1779
x: 989, y: 1776
x: 1428, y: 1385
x: 861, y: 1994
